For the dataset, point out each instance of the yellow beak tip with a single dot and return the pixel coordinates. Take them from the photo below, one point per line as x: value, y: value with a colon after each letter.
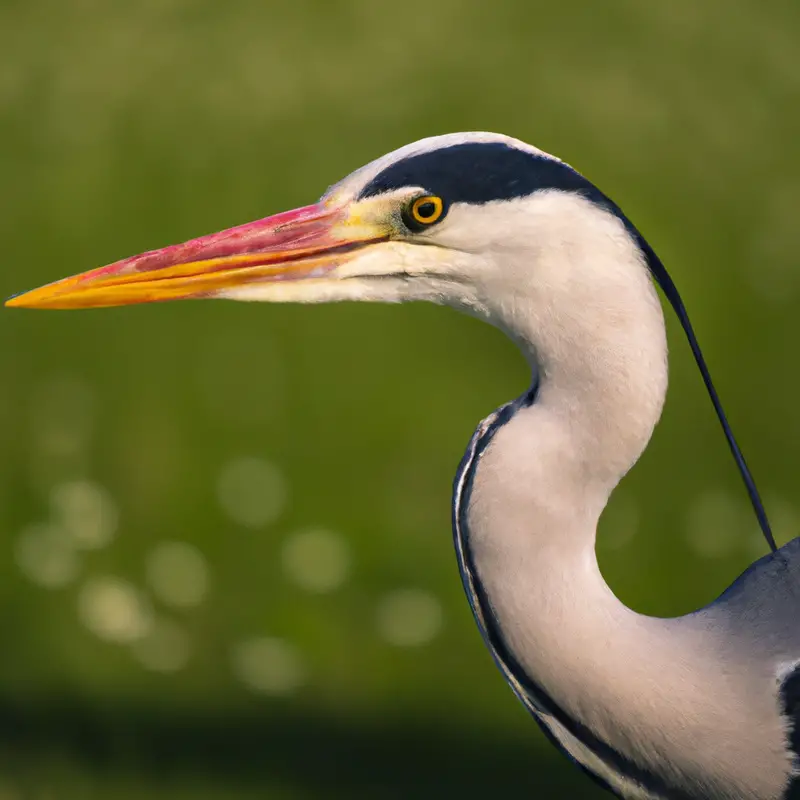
x: 33, y: 299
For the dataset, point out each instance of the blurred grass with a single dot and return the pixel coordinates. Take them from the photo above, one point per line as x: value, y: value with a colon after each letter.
x: 126, y: 126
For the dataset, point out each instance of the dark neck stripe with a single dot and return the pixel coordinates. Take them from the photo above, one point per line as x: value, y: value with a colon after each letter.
x: 533, y: 697
x: 789, y: 695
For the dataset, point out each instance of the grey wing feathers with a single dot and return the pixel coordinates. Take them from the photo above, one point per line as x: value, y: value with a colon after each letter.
x: 763, y: 603
x: 761, y: 613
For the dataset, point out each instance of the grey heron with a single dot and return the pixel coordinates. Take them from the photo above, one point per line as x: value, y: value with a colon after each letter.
x: 701, y: 706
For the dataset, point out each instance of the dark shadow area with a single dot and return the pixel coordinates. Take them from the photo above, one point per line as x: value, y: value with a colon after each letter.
x: 321, y: 757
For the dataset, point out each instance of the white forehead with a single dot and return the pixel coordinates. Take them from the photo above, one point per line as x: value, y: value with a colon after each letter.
x: 355, y: 181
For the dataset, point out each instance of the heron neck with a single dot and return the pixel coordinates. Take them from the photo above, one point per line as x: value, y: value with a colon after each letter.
x: 589, y: 322
x: 536, y: 480
x: 595, y: 338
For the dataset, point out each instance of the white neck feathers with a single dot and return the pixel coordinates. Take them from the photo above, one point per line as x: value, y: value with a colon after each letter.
x: 580, y: 303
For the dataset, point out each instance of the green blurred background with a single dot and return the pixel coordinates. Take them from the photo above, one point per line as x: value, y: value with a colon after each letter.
x: 226, y: 567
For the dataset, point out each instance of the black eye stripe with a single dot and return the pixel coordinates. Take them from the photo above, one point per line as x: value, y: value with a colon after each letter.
x: 477, y: 173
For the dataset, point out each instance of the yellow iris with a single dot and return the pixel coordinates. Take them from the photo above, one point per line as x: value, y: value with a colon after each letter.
x: 427, y: 210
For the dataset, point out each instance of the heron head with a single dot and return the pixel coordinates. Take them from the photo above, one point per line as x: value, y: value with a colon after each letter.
x: 478, y: 221
x: 422, y: 223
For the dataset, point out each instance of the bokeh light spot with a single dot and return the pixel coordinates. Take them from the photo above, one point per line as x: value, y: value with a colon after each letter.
x: 268, y: 666
x: 252, y: 492
x: 178, y: 574
x: 316, y: 560
x: 86, y: 511
x: 114, y: 610
x: 409, y: 617
x: 46, y: 556
x: 165, y: 648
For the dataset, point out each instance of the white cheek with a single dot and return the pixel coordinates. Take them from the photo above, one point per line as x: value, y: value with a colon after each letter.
x: 383, y: 259
x: 302, y: 291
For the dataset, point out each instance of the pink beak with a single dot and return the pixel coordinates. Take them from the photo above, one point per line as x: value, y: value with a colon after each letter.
x: 295, y: 245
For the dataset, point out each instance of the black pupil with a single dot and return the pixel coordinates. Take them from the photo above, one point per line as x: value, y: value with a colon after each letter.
x: 426, y: 210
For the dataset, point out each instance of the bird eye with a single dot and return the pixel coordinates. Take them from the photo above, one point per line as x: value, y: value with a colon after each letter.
x: 424, y: 211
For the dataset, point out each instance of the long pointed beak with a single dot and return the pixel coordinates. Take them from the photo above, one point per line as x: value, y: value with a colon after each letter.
x: 306, y: 243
